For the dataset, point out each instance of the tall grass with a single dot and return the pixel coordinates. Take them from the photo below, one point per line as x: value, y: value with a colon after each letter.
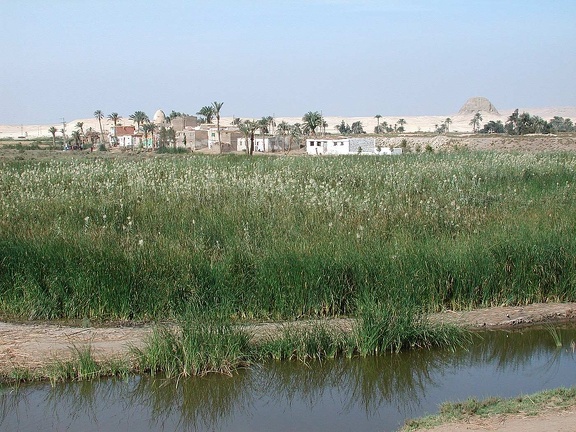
x: 284, y: 238
x: 196, y: 348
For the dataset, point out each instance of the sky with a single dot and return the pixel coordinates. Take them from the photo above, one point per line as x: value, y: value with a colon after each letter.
x: 68, y: 58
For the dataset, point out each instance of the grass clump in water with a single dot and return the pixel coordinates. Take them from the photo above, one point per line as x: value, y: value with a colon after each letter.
x: 196, y: 348
x: 304, y: 344
x: 83, y: 367
x: 392, y: 326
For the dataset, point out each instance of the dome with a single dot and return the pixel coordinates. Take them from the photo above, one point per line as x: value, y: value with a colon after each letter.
x: 159, y: 117
x: 476, y: 104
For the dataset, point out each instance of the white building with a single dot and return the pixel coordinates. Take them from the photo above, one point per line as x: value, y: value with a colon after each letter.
x: 343, y: 146
x: 266, y: 144
x: 124, y: 136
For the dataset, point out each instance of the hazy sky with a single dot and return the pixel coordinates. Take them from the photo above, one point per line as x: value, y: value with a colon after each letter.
x: 68, y: 58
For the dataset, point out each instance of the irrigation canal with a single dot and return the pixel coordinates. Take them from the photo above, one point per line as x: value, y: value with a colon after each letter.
x: 373, y: 394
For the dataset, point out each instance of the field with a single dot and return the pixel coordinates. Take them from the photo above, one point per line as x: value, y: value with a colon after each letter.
x: 284, y: 237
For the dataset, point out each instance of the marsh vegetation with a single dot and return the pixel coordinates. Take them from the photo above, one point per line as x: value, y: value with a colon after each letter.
x: 237, y: 239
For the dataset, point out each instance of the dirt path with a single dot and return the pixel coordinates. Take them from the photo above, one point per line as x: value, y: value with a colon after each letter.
x: 33, y: 345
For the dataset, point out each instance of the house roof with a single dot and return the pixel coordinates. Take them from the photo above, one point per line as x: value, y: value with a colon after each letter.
x: 125, y: 130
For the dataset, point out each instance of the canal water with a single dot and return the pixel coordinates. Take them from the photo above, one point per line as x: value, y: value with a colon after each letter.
x: 373, y: 394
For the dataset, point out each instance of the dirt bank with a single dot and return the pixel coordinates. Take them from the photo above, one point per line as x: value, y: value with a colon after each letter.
x: 32, y: 345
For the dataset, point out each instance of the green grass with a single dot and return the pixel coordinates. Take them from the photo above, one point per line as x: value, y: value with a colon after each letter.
x: 195, y: 348
x: 284, y: 238
x: 526, y: 405
x: 80, y: 367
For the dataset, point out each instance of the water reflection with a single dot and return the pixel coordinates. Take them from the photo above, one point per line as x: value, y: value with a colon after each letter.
x: 349, y: 394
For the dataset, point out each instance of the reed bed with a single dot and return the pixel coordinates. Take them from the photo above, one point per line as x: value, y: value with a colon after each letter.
x: 284, y: 238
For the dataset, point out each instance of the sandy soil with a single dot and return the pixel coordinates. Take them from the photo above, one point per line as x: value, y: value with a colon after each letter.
x: 550, y: 421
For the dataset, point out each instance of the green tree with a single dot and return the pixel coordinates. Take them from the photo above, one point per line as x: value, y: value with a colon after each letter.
x: 493, y: 127
x: 216, y: 107
x: 149, y: 128
x: 312, y: 120
x: 171, y: 136
x: 248, y: 128
x: 378, y: 129
x: 139, y: 117
x: 77, y: 138
x: 114, y: 117
x: 324, y: 125
x: 175, y: 114
x: 560, y: 124
x: 263, y: 127
x: 511, y: 125
x: 100, y: 115
x: 357, y: 128
x: 296, y: 133
x: 80, y: 125
x: 401, y: 122
x: 475, y: 122
x: 447, y: 124
x: 283, y: 129
x: 207, y: 112
x: 162, y: 137
x: 343, y: 128
x: 53, y: 131
x: 271, y: 123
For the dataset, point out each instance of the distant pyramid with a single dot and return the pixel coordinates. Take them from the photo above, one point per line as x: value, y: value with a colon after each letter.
x: 476, y: 104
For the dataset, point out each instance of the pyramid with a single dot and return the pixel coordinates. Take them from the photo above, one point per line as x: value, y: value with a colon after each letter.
x: 478, y: 104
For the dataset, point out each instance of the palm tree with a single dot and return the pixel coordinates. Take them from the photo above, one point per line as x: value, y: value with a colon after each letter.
x: 475, y: 122
x: 324, y: 125
x: 114, y: 117
x: 243, y: 127
x: 447, y: 123
x: 216, y: 106
x: 139, y: 117
x: 401, y: 122
x: 236, y: 121
x: 282, y: 129
x: 76, y: 137
x: 207, y: 112
x: 53, y: 131
x: 149, y: 128
x: 100, y: 115
x: 357, y: 128
x: 378, y: 117
x: 248, y: 128
x: 312, y: 120
x: 263, y: 126
x: 271, y: 123
x: 295, y: 133
x: 80, y: 125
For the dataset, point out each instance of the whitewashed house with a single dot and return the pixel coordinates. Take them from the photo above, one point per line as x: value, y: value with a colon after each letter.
x: 339, y: 146
x: 266, y: 144
x: 125, y: 136
x: 320, y: 146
